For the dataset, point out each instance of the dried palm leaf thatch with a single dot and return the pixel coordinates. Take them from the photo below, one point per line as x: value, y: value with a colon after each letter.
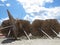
x: 6, y: 30
x: 0, y: 29
x: 47, y: 27
x: 54, y: 24
x: 35, y: 28
x: 21, y: 25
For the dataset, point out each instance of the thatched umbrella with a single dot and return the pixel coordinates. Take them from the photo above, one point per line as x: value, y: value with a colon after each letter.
x: 46, y: 28
x: 17, y: 27
x: 0, y: 29
x: 35, y: 28
x: 5, y: 31
x: 20, y: 30
x: 54, y: 24
x: 23, y: 25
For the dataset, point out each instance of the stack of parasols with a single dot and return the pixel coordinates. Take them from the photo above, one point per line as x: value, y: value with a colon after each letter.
x: 16, y: 28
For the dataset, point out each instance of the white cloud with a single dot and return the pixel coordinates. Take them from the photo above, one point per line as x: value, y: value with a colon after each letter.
x: 27, y: 17
x: 48, y: 13
x: 35, y: 9
x: 50, y: 1
x: 1, y: 20
x: 7, y: 4
x: 3, y: 0
x: 33, y: 5
x: 34, y: 2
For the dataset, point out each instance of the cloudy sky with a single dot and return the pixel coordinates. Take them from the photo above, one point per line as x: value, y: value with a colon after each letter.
x: 30, y: 9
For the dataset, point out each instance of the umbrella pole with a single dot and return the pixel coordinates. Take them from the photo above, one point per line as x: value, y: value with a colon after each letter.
x: 46, y: 34
x: 26, y: 35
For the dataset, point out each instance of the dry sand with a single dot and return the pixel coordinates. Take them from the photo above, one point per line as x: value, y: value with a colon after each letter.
x: 31, y: 42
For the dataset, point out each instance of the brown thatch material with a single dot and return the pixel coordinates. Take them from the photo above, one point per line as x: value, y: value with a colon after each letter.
x: 5, y: 24
x: 54, y: 25
x: 0, y: 29
x: 47, y: 29
x: 46, y: 26
x: 35, y: 28
x: 25, y: 26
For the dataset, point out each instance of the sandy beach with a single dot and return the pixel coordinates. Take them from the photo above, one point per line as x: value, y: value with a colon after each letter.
x: 30, y: 42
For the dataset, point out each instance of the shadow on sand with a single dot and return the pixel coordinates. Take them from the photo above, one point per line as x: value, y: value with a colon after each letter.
x: 8, y: 41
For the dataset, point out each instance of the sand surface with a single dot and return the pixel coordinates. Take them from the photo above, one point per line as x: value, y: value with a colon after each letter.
x: 30, y: 42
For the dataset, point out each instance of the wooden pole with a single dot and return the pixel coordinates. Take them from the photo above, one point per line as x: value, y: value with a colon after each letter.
x: 45, y: 33
x: 9, y: 32
x: 25, y: 32
x: 27, y: 35
x: 54, y: 31
x: 5, y: 27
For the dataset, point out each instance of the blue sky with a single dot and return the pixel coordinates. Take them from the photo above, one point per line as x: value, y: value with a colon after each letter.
x: 54, y: 4
x: 15, y: 9
x: 24, y: 9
